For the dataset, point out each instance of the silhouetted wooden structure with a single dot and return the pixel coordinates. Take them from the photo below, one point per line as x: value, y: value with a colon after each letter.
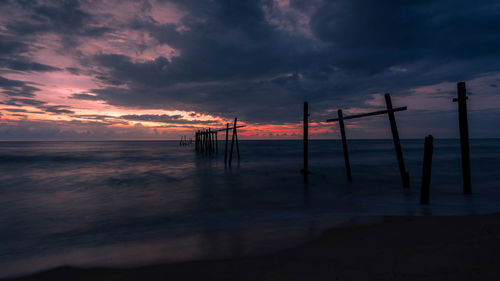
x: 395, y: 136
x: 464, y: 136
x: 344, y: 145
x: 426, y: 170
x: 206, y: 141
x: 184, y: 141
x: 306, y: 142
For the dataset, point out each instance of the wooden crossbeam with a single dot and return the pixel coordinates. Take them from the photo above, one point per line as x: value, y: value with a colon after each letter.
x: 220, y: 130
x: 368, y: 114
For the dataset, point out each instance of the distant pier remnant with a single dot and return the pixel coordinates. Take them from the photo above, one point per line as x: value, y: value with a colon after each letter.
x: 306, y: 142
x: 184, y: 141
x: 344, y: 145
x: 305, y: 170
x: 235, y: 136
x: 227, y: 133
x: 426, y: 170
x: 206, y: 141
x: 464, y: 136
x: 395, y: 136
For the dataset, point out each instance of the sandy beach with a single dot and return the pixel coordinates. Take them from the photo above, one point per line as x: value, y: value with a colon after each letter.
x: 396, y: 248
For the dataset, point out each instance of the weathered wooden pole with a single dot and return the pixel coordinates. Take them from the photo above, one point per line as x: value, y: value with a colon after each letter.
x: 216, y: 143
x: 344, y: 145
x: 306, y: 142
x: 232, y: 142
x: 426, y: 170
x: 199, y: 141
x: 237, y: 142
x: 210, y: 141
x: 405, y: 177
x: 227, y: 133
x: 202, y: 141
x: 464, y: 136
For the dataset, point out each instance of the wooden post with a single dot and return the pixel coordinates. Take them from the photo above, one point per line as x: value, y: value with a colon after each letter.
x: 210, y: 141
x: 464, y: 136
x: 344, y: 145
x: 216, y: 143
x: 426, y: 170
x: 405, y: 177
x: 232, y: 142
x: 227, y: 133
x: 306, y: 142
x: 204, y: 141
x: 237, y: 142
x: 198, y: 140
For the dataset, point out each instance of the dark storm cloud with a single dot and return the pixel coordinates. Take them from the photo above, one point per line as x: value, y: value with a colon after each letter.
x: 54, y: 17
x: 16, y: 88
x: 21, y: 102
x: 163, y: 118
x: 256, y: 59
x: 84, y: 96
x: 235, y: 61
x: 9, y: 46
x: 373, y: 35
x: 12, y: 60
x: 57, y: 109
x: 14, y: 109
x: 24, y: 64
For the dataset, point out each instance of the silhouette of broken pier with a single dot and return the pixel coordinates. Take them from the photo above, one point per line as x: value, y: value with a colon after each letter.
x: 395, y: 136
x: 206, y: 141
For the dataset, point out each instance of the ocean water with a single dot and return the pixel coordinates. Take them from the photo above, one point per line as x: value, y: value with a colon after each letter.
x: 132, y: 203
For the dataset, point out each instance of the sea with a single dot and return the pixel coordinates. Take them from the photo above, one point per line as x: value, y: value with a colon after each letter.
x: 132, y: 203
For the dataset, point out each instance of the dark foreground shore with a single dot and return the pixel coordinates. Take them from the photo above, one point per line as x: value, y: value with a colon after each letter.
x: 397, y: 248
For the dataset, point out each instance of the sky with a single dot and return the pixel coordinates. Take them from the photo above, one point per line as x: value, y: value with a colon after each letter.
x: 115, y: 70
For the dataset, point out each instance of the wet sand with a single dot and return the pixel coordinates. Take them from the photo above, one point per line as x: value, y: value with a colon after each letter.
x: 397, y: 248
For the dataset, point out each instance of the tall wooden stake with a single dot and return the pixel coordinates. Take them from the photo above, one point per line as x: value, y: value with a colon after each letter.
x: 227, y: 133
x: 405, y: 177
x: 426, y: 170
x: 237, y: 143
x: 232, y: 142
x: 216, y: 143
x: 306, y: 142
x: 464, y: 136
x: 344, y: 146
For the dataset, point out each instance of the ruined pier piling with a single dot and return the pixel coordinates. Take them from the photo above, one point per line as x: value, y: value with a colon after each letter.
x: 395, y: 136
x: 206, y: 141
x: 464, y: 136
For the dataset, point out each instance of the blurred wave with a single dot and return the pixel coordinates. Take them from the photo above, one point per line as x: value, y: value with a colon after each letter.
x: 121, y: 203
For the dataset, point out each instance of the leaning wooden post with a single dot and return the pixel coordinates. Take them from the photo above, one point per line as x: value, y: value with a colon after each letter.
x: 464, y: 136
x: 306, y: 142
x: 237, y: 142
x: 227, y: 133
x: 405, y: 177
x: 232, y: 142
x: 426, y: 170
x: 344, y: 145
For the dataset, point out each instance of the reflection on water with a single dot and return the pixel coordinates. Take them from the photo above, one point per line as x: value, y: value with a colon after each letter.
x: 124, y: 203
